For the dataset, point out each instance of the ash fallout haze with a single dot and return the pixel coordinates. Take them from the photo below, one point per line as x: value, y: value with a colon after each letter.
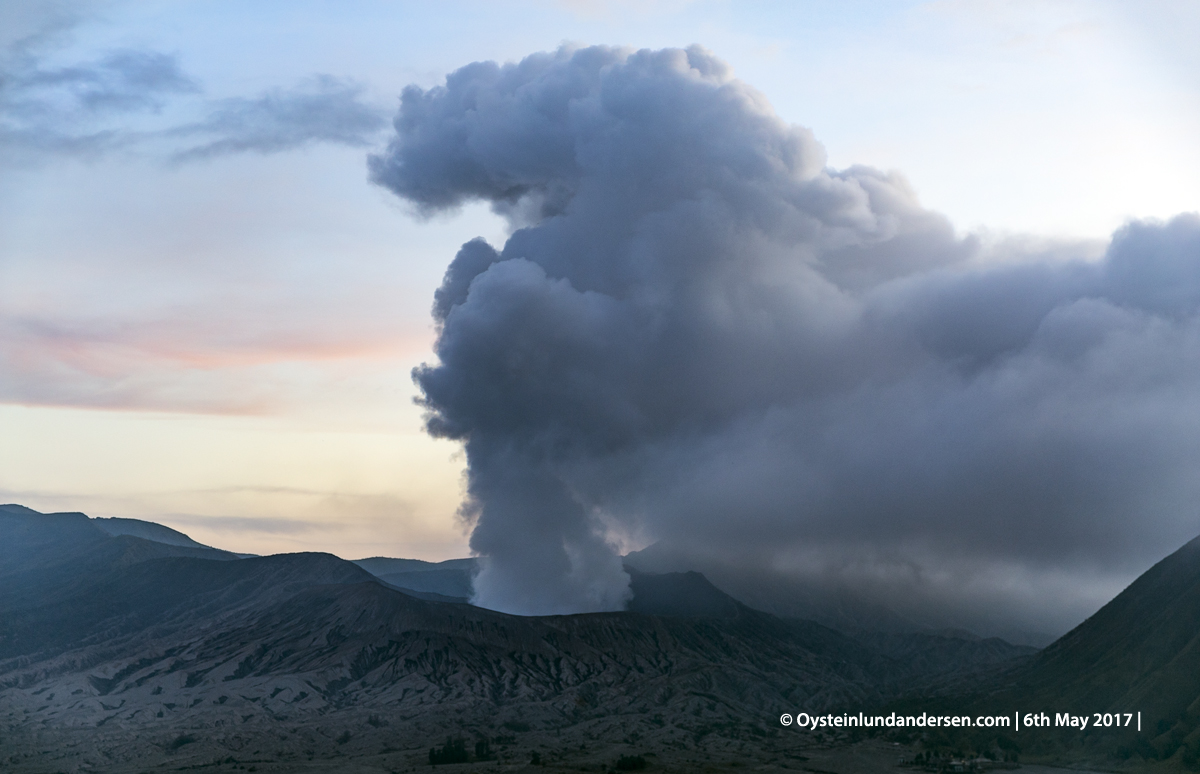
x: 878, y: 313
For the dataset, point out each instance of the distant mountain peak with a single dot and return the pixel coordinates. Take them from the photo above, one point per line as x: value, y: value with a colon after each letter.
x: 147, y: 530
x: 679, y: 595
x: 16, y: 509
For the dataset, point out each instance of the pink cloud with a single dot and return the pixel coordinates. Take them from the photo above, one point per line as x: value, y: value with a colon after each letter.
x: 197, y: 363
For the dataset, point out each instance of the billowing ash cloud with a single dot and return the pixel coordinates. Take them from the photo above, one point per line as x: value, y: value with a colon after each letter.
x: 699, y: 334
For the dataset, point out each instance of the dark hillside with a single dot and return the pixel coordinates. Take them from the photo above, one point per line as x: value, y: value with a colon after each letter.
x: 48, y: 558
x: 681, y: 594
x: 30, y: 540
x: 139, y: 653
x: 1140, y: 650
x: 1139, y: 653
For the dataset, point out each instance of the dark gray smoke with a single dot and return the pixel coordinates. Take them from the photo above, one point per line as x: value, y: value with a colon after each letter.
x: 699, y: 334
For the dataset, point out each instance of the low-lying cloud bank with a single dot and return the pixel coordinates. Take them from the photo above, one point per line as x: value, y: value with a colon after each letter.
x: 700, y: 334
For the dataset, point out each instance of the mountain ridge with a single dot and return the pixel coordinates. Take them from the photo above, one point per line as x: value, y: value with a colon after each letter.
x: 1140, y: 653
x: 135, y: 644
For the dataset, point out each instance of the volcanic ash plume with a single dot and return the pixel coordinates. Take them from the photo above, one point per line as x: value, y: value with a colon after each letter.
x: 700, y: 334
